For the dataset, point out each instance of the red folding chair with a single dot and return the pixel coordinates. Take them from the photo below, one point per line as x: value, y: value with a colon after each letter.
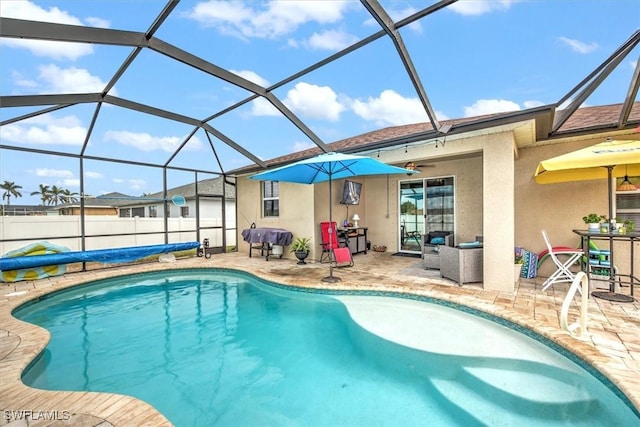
x: 331, y: 250
x: 330, y: 242
x: 342, y: 257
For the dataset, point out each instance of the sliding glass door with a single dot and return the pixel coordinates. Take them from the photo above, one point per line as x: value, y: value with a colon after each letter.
x: 420, y: 214
x: 440, y: 214
x: 411, y: 215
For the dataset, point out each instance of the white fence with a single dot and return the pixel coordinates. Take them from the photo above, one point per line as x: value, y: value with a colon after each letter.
x: 57, y: 229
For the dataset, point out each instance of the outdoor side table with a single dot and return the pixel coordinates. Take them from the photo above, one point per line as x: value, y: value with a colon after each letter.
x: 585, y: 238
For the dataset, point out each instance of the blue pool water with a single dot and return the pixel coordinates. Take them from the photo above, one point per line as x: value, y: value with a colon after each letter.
x: 222, y: 348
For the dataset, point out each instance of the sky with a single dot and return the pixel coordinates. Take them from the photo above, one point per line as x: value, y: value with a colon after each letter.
x: 473, y: 57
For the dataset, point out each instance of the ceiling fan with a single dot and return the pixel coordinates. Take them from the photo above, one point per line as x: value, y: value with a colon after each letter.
x: 412, y: 165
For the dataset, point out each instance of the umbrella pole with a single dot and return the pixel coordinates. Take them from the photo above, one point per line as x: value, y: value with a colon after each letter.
x: 331, y: 278
x: 612, y: 273
x: 611, y: 294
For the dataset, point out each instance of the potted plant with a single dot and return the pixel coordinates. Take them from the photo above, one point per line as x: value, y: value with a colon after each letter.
x: 628, y: 225
x: 593, y: 221
x: 301, y: 247
x: 517, y: 263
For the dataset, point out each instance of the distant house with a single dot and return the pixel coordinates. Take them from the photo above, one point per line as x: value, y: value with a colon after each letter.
x: 183, y: 201
x: 27, y: 210
x: 106, y: 204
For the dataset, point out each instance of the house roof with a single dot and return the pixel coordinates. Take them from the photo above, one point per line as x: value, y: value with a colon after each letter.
x: 583, y: 120
x: 107, y: 200
x: 209, y: 187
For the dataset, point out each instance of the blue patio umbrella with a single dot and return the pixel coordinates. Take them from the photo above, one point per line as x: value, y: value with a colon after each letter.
x: 327, y: 167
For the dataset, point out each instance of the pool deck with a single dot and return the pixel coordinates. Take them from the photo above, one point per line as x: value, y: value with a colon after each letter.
x: 612, y: 342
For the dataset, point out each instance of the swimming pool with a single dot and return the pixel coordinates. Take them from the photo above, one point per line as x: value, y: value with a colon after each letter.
x: 219, y: 347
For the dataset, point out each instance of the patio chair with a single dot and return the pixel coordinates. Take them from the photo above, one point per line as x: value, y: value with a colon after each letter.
x: 330, y: 240
x: 333, y: 248
x: 563, y: 272
x: 408, y: 235
x: 342, y: 257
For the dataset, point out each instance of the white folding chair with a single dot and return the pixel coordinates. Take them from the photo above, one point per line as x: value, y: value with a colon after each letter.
x: 563, y: 272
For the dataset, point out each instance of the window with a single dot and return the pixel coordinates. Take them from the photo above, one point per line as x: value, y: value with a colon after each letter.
x: 153, y: 211
x: 184, y: 211
x: 270, y: 199
x: 125, y: 213
x: 628, y: 204
x: 137, y: 212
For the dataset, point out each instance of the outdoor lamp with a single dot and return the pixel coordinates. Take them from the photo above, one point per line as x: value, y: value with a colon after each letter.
x: 355, y: 219
x: 626, y: 185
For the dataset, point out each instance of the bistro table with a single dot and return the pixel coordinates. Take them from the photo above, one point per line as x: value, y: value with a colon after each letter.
x: 586, y: 237
x: 264, y: 238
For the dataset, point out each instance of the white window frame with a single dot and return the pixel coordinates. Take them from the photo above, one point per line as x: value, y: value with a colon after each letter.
x: 275, y: 190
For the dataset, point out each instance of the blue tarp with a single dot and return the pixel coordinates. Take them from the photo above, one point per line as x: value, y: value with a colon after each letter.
x: 126, y: 254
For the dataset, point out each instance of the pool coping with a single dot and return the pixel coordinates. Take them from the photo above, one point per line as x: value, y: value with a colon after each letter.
x: 21, y: 343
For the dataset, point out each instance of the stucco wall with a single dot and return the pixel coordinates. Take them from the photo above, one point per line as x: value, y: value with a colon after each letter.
x: 496, y: 197
x: 466, y: 159
x: 296, y: 211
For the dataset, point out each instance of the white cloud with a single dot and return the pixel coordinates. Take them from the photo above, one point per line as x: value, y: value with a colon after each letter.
x: 566, y: 104
x: 490, y: 106
x: 146, y: 142
x: 533, y: 104
x: 479, y: 7
x: 390, y: 108
x: 52, y: 173
x: 265, y: 19
x: 398, y: 15
x: 33, y: 12
x: 333, y: 40
x: 71, y: 182
x: 300, y: 146
x: 70, y: 80
x: 98, y: 22
x: 578, y: 46
x: 45, y: 130
x: 262, y: 107
x: 22, y: 81
x: 252, y: 76
x: 137, y: 184
x: 314, y: 102
x: 94, y: 175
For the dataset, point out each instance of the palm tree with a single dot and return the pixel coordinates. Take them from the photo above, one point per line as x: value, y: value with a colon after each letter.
x: 10, y: 189
x: 69, y: 197
x: 43, y: 192
x: 55, y: 195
